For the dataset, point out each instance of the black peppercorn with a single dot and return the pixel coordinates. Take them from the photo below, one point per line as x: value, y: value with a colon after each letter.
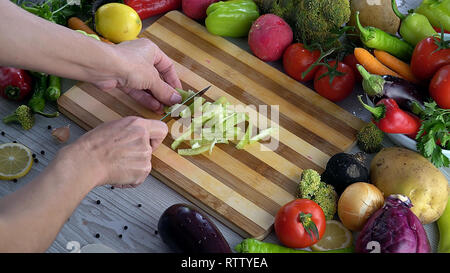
x: 156, y: 232
x: 98, y: 202
x: 36, y: 160
x: 14, y: 141
x: 15, y: 180
x: 125, y: 227
x: 42, y: 152
x: 3, y: 133
x: 120, y: 235
x: 33, y: 155
x: 97, y: 235
x: 112, y: 187
x: 49, y: 127
x: 139, y: 205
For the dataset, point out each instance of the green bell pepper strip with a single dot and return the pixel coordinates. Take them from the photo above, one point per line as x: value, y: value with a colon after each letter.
x: 37, y: 101
x: 256, y: 246
x: 444, y: 230
x: 246, y: 139
x: 376, y: 38
x: 89, y: 35
x: 263, y: 134
x: 231, y: 18
x: 414, y: 27
x: 53, y: 91
x: 437, y: 12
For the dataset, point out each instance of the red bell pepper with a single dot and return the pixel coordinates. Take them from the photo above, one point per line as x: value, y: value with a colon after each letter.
x: 148, y: 8
x: 15, y: 83
x: 388, y: 116
x: 438, y: 30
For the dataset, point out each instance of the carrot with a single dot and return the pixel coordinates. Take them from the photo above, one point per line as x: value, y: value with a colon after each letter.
x: 76, y: 23
x: 395, y: 64
x: 371, y: 64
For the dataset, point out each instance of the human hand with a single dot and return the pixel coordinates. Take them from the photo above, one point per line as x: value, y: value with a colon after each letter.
x: 119, y: 152
x: 147, y: 74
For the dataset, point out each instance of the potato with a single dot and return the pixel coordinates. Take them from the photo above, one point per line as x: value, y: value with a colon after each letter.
x: 375, y: 13
x: 400, y: 171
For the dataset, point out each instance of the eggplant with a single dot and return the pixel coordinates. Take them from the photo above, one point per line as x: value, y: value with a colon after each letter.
x: 186, y: 230
x: 344, y: 169
x: 407, y: 95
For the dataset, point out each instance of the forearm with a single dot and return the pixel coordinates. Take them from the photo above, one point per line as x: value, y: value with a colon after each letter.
x: 31, y: 217
x: 33, y: 43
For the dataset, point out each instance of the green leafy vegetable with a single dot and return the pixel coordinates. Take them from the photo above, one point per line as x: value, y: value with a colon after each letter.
x: 433, y: 135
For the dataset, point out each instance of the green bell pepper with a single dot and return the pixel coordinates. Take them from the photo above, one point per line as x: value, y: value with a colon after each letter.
x: 437, y: 12
x: 231, y: 18
x: 414, y: 27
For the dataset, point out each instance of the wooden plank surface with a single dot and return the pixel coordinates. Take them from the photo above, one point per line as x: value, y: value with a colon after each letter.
x: 242, y: 188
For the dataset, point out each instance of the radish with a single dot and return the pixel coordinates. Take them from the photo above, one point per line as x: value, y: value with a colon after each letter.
x: 269, y: 36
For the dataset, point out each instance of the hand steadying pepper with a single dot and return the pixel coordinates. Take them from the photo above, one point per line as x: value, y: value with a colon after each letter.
x: 391, y: 119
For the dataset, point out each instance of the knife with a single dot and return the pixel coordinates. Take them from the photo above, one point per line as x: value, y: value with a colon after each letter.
x: 198, y: 94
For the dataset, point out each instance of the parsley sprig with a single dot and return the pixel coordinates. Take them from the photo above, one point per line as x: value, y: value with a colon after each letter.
x: 434, y: 134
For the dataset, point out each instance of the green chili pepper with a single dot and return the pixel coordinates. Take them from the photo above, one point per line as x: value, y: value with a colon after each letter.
x: 256, y: 246
x: 444, y: 230
x: 54, y: 88
x: 37, y: 101
x: 376, y: 38
x: 437, y: 12
x: 414, y: 27
x: 231, y: 18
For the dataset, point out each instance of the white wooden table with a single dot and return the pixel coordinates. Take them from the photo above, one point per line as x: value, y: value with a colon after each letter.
x: 121, y: 224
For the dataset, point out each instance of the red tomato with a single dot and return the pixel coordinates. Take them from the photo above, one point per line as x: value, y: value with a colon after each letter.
x: 440, y: 87
x: 297, y: 59
x: 294, y: 218
x: 351, y: 61
x: 425, y: 62
x: 341, y: 86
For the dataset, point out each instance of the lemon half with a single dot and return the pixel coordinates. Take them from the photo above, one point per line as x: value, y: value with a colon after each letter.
x: 336, y: 236
x: 15, y: 161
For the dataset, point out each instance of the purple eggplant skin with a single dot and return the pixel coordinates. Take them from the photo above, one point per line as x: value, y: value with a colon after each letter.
x: 402, y: 91
x: 395, y: 228
x: 186, y: 230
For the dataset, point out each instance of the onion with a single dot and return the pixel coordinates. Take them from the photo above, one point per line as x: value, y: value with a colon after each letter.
x: 357, y: 203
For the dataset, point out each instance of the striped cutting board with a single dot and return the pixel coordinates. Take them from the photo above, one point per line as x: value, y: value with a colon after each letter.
x: 242, y: 188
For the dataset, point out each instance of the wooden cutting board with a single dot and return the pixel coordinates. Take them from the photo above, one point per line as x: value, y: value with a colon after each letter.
x: 242, y: 188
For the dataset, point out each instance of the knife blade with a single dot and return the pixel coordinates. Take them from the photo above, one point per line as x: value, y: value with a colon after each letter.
x: 198, y: 94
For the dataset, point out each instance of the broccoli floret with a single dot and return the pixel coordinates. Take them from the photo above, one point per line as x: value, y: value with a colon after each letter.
x: 312, y: 21
x: 23, y: 115
x: 311, y: 187
x: 369, y: 138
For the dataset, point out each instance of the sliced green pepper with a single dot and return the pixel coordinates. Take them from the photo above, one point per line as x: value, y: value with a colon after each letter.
x: 231, y: 18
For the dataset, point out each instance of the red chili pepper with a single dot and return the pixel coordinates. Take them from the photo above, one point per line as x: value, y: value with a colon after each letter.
x: 148, y: 8
x: 15, y: 84
x: 391, y: 119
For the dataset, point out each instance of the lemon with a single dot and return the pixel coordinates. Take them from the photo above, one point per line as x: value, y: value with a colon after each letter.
x: 15, y: 161
x: 117, y: 22
x: 336, y: 236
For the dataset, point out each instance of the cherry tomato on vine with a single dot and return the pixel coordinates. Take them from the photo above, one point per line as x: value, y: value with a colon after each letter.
x: 334, y: 82
x: 297, y: 59
x: 300, y: 223
x: 429, y: 55
x: 440, y: 87
x: 351, y: 61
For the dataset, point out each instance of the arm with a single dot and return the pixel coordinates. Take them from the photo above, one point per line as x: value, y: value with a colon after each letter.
x: 116, y: 153
x: 33, y: 43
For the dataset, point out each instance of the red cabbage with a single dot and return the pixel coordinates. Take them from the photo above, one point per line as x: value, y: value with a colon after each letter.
x: 394, y: 228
